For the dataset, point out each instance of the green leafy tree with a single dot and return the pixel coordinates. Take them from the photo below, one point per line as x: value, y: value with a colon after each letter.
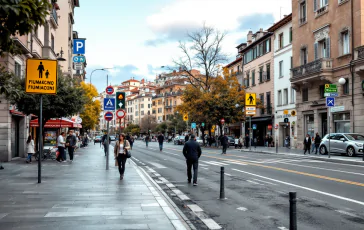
x: 20, y: 17
x: 162, y: 127
x: 177, y: 123
x: 132, y: 128
x: 69, y: 100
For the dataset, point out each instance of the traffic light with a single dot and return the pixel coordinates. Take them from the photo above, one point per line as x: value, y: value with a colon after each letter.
x: 120, y: 100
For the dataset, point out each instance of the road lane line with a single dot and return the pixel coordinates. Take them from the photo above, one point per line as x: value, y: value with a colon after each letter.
x: 242, y: 209
x: 282, y: 228
x: 264, y: 181
x: 253, y: 182
x: 296, y: 172
x: 314, y: 167
x: 205, y: 168
x: 157, y: 165
x: 302, y: 187
x: 347, y: 213
x: 227, y: 174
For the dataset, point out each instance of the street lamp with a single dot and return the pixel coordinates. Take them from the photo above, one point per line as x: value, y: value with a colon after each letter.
x: 103, y: 69
x: 342, y: 81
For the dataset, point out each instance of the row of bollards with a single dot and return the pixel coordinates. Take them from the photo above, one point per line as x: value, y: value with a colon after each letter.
x: 292, y: 201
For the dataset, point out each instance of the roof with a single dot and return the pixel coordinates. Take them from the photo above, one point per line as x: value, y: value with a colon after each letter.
x: 131, y: 80
x: 281, y: 23
x: 234, y: 62
x: 268, y: 34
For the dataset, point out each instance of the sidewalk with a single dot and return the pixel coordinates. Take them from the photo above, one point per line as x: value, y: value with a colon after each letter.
x: 83, y: 196
x: 358, y: 160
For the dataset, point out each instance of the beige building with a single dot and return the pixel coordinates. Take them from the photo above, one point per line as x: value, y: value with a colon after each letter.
x: 258, y: 72
x: 331, y: 49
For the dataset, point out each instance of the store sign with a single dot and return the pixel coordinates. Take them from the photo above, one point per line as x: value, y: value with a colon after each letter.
x: 283, y: 116
x: 337, y: 109
x: 270, y: 127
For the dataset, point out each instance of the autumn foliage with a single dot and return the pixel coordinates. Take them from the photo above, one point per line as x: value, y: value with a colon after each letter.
x: 92, y: 108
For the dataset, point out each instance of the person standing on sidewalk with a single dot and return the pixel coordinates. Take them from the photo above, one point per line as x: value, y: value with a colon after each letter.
x: 30, y: 149
x: 147, y: 138
x: 317, y: 142
x: 131, y: 142
x: 60, y: 145
x: 121, y: 146
x: 247, y: 140
x: 160, y: 141
x: 192, y: 152
x: 104, y: 142
x: 224, y: 142
x: 71, y: 144
x: 307, y: 144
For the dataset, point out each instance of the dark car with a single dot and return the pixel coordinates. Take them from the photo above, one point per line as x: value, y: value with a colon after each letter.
x: 98, y: 139
x: 231, y: 141
x: 179, y: 140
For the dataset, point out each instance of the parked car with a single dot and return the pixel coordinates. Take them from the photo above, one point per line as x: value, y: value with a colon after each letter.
x: 199, y: 140
x: 231, y: 140
x: 179, y: 140
x: 343, y: 143
x: 113, y: 138
x: 98, y: 139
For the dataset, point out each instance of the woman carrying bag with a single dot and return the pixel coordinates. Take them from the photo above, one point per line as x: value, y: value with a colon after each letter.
x: 121, y: 153
x: 30, y: 149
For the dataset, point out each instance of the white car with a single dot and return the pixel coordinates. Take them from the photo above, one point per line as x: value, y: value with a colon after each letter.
x: 344, y: 143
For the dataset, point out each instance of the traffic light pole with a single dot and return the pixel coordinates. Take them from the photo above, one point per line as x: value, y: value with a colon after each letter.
x: 107, y: 150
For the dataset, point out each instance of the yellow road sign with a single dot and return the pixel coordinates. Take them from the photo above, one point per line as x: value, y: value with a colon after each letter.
x: 250, y: 99
x: 285, y: 112
x: 41, y: 76
x: 185, y: 117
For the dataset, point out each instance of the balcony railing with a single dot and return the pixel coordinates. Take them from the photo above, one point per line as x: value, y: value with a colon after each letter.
x: 321, y: 11
x: 359, y: 52
x: 311, y: 68
x: 54, y: 15
x: 168, y: 107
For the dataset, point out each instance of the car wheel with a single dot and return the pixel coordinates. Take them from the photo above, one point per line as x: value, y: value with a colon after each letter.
x: 323, y: 150
x: 350, y: 151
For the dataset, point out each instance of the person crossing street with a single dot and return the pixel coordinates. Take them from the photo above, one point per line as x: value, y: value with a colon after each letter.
x: 160, y: 141
x: 192, y: 152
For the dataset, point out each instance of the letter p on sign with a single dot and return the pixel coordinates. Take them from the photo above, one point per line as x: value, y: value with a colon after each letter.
x: 79, y: 46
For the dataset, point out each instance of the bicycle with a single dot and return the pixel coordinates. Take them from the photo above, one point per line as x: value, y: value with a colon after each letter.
x: 47, y: 154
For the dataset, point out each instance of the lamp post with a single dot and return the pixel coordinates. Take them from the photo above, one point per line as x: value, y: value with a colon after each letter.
x: 103, y: 69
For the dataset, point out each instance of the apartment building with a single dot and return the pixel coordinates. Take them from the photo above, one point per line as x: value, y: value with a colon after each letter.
x: 257, y: 57
x: 331, y: 49
x: 284, y: 96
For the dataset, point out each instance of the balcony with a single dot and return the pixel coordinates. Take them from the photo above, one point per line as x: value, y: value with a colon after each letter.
x: 173, y: 94
x: 320, y: 69
x: 321, y: 11
x: 168, y: 106
x: 54, y: 18
x: 359, y: 59
x: 158, y: 96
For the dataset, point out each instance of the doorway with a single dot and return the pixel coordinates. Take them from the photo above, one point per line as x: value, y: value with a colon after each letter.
x: 15, y: 137
x: 324, y: 130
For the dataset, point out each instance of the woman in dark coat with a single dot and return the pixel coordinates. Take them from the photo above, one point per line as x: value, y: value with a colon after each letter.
x: 307, y: 144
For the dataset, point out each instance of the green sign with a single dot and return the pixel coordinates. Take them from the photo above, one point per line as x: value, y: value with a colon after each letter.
x: 330, y: 88
x: 203, y: 124
x: 120, y: 100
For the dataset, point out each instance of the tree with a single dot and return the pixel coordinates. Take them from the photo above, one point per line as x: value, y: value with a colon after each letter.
x: 20, y: 17
x: 147, y: 123
x: 92, y: 109
x: 203, y: 52
x: 69, y: 100
x: 162, y: 127
x: 132, y: 128
x: 177, y: 123
x: 220, y: 102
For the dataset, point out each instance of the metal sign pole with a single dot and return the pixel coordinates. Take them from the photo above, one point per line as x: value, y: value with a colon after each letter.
x: 40, y: 139
x: 107, y: 153
x: 329, y: 126
x: 250, y: 133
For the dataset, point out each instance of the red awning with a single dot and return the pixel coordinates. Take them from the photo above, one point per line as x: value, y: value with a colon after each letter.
x: 56, y: 123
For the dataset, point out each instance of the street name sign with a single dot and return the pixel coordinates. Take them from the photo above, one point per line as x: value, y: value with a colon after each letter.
x: 120, y: 100
x: 331, y: 94
x: 41, y: 76
x: 109, y: 104
x: 108, y: 116
x: 79, y: 46
x: 78, y: 66
x: 330, y: 88
x: 330, y: 101
x: 250, y: 108
x: 250, y: 99
x: 109, y: 90
x: 120, y: 114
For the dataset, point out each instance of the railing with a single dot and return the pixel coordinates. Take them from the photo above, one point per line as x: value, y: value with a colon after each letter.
x: 321, y: 10
x: 168, y: 106
x: 158, y: 96
x: 54, y: 15
x: 360, y: 52
x: 312, y: 67
x: 173, y: 94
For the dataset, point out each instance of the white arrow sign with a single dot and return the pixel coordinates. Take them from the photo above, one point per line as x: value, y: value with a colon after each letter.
x: 120, y: 104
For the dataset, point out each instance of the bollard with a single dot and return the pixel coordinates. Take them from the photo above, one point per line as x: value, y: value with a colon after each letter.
x: 292, y: 211
x: 222, y: 190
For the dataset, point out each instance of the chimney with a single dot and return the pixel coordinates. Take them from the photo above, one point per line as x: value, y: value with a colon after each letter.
x: 250, y: 37
x: 260, y: 33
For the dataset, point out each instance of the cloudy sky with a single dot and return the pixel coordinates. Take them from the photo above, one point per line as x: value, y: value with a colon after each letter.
x: 137, y: 37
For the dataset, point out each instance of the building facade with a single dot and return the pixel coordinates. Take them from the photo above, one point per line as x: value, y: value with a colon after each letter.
x: 285, y: 96
x: 329, y: 50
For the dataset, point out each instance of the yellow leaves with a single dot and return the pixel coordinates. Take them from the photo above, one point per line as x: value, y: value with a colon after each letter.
x: 92, y: 109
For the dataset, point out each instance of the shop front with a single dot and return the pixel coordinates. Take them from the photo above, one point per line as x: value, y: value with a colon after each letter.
x: 261, y: 126
x: 286, y: 121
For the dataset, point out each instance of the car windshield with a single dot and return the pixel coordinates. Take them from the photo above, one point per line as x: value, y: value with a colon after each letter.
x: 98, y: 137
x: 355, y: 137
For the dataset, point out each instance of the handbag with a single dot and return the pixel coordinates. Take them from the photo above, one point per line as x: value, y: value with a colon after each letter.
x: 127, y: 153
x: 116, y: 163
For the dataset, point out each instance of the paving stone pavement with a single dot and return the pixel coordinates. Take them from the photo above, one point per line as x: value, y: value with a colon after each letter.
x: 82, y: 195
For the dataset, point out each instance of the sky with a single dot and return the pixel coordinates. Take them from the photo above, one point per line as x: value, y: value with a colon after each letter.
x: 136, y: 38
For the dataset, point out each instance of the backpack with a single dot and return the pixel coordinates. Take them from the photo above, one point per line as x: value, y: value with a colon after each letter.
x: 105, y: 141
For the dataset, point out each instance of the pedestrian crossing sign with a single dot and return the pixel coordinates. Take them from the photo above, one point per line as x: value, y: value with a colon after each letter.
x: 185, y: 117
x: 250, y: 99
x: 41, y: 76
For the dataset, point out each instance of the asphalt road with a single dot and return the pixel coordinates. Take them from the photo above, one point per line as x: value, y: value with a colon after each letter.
x: 330, y: 195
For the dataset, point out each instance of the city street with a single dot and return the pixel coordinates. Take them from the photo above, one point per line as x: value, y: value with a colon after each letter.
x: 330, y: 195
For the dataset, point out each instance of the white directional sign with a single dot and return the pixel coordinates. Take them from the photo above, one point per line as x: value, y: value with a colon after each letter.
x: 78, y: 66
x: 250, y: 108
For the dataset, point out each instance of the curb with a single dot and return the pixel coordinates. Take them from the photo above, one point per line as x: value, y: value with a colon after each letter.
x: 313, y: 158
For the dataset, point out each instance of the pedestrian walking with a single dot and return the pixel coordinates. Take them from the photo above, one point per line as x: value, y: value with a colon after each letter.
x: 104, y: 143
x: 247, y: 141
x: 192, y: 152
x: 187, y: 137
x: 287, y: 142
x: 236, y: 142
x: 71, y: 144
x: 61, y: 146
x: 120, y: 153
x: 131, y: 142
x: 224, y: 142
x: 307, y: 144
x: 30, y: 149
x: 312, y: 144
x: 147, y: 138
x: 317, y: 142
x: 160, y: 141
x: 241, y: 142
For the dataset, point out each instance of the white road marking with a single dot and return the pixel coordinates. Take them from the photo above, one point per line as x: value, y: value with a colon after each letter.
x: 242, y: 209
x: 236, y: 163
x: 202, y: 165
x: 253, y: 182
x: 282, y: 228
x: 211, y: 224
x: 347, y: 213
x: 305, y: 188
x: 227, y: 174
x: 333, y: 170
x: 172, y: 153
x: 205, y: 168
x: 195, y: 208
x: 157, y: 165
x: 215, y: 163
x: 265, y: 182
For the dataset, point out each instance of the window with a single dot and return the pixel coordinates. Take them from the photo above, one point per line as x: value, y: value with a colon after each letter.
x: 293, y: 96
x: 346, y: 86
x: 279, y: 97
x: 261, y: 97
x: 280, y: 41
x: 253, y: 77
x: 238, y: 69
x: 175, y: 102
x: 153, y: 103
x: 303, y: 12
x: 322, y: 49
x: 136, y: 106
x: 136, y: 113
x: 159, y: 102
x: 269, y: 107
x: 303, y: 56
x: 267, y: 46
x: 322, y: 91
x: 281, y: 69
x: 247, y: 79
x: 304, y: 94
x: 159, y: 110
x: 268, y: 72
x: 285, y: 97
x: 142, y: 106
x: 153, y: 111
x: 261, y: 74
x: 142, y: 113
x: 17, y: 69
x: 290, y: 35
x: 149, y: 106
x: 345, y: 42
x: 52, y: 42
x: 319, y: 4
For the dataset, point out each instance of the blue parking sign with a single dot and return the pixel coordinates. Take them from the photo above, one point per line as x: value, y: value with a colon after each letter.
x: 79, y: 46
x: 330, y: 101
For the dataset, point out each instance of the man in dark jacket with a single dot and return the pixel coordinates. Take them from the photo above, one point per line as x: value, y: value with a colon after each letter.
x: 307, y: 144
x: 317, y: 142
x: 224, y: 143
x: 104, y: 142
x: 192, y: 152
x: 160, y: 141
x: 247, y: 141
x: 71, y: 143
x: 187, y: 137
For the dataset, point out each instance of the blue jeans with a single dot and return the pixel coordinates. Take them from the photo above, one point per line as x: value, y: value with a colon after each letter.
x: 161, y: 146
x: 146, y: 143
x: 29, y: 158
